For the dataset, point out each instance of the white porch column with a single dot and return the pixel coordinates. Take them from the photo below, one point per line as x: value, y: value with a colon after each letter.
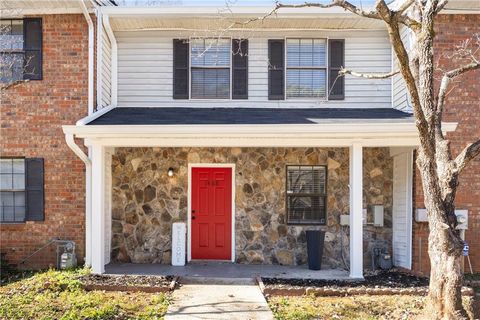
x: 98, y: 209
x: 356, y: 211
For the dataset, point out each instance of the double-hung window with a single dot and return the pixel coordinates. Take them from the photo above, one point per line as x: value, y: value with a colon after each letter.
x: 306, y: 70
x: 21, y: 189
x: 12, y: 190
x: 210, y: 68
x: 11, y: 50
x: 20, y: 49
x: 306, y: 194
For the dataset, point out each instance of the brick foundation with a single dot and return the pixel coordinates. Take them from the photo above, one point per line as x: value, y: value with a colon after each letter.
x: 32, y: 114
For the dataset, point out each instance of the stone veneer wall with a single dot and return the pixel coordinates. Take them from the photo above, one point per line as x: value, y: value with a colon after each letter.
x: 145, y: 201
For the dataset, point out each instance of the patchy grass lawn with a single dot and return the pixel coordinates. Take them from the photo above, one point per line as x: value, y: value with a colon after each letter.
x: 59, y: 295
x: 355, y: 307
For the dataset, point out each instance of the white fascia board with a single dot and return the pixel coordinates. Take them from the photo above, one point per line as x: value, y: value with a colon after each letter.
x: 339, y: 129
x: 325, y: 135
x: 208, y: 11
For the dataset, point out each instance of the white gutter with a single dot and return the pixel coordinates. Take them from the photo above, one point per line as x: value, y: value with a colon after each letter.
x: 114, y: 61
x: 91, y: 36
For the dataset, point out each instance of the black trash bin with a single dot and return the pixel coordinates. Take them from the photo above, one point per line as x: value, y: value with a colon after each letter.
x: 315, y: 239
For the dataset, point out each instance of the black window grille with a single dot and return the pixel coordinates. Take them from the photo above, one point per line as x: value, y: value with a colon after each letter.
x: 306, y: 195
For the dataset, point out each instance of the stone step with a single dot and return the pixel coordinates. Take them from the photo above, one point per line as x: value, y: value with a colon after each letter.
x: 216, y: 280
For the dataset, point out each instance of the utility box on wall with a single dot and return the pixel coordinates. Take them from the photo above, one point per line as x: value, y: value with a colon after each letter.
x: 179, y: 231
x: 377, y: 215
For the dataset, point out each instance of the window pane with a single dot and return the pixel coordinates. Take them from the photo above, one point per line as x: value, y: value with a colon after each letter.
x: 306, y: 179
x: 306, y: 52
x: 210, y: 52
x: 6, y: 165
x: 18, y: 181
x: 5, y: 34
x: 19, y: 199
x: 17, y: 35
x: 210, y: 83
x: 11, y: 67
x: 306, y: 83
x: 18, y: 165
x: 306, y: 210
x: 6, y: 181
x: 7, y: 214
x: 6, y: 198
x: 19, y: 213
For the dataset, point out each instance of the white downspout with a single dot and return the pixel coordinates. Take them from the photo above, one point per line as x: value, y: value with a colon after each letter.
x: 70, y: 139
x: 99, y: 60
x: 91, y: 36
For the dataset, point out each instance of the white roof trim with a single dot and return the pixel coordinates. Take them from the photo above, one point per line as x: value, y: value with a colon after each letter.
x: 325, y: 134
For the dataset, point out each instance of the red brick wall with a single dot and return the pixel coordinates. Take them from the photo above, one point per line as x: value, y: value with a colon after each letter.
x: 32, y: 114
x: 463, y: 106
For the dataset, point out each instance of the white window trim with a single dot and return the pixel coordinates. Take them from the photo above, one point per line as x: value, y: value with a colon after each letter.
x: 190, y: 70
x: 305, y: 99
x: 189, y: 205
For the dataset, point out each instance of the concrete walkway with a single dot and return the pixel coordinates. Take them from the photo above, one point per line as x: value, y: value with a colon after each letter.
x: 200, y: 301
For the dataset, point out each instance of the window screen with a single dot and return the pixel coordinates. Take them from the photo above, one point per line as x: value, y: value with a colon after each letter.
x: 306, y: 194
x: 210, y: 68
x: 12, y: 190
x: 306, y: 68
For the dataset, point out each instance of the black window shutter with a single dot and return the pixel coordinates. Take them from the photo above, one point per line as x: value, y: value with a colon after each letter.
x: 276, y: 69
x: 336, y: 59
x: 240, y: 68
x: 32, y: 45
x: 180, y: 69
x: 34, y: 185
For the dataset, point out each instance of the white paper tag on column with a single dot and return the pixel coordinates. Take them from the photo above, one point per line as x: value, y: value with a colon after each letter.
x: 178, y: 243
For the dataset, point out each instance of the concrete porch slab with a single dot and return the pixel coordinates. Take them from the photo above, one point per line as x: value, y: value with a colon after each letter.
x: 227, y: 271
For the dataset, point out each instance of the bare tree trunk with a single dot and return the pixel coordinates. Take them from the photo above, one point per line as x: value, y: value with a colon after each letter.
x: 444, y: 246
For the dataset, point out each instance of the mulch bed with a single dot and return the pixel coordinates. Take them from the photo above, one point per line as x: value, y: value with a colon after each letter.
x: 133, y: 283
x: 378, y: 283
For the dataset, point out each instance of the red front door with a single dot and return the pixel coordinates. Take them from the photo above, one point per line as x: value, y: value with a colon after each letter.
x: 211, y: 213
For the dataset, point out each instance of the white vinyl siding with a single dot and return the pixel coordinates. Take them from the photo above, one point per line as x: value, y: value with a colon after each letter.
x: 145, y: 70
x: 106, y: 71
x: 400, y: 97
x: 402, y: 210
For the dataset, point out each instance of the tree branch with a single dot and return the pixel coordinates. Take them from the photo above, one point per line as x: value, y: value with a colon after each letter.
x: 335, y: 3
x: 369, y: 75
x: 446, y: 79
x: 407, y: 4
x: 440, y: 6
x: 470, y: 152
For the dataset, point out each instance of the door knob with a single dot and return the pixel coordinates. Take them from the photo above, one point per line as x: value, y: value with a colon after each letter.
x: 193, y: 217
